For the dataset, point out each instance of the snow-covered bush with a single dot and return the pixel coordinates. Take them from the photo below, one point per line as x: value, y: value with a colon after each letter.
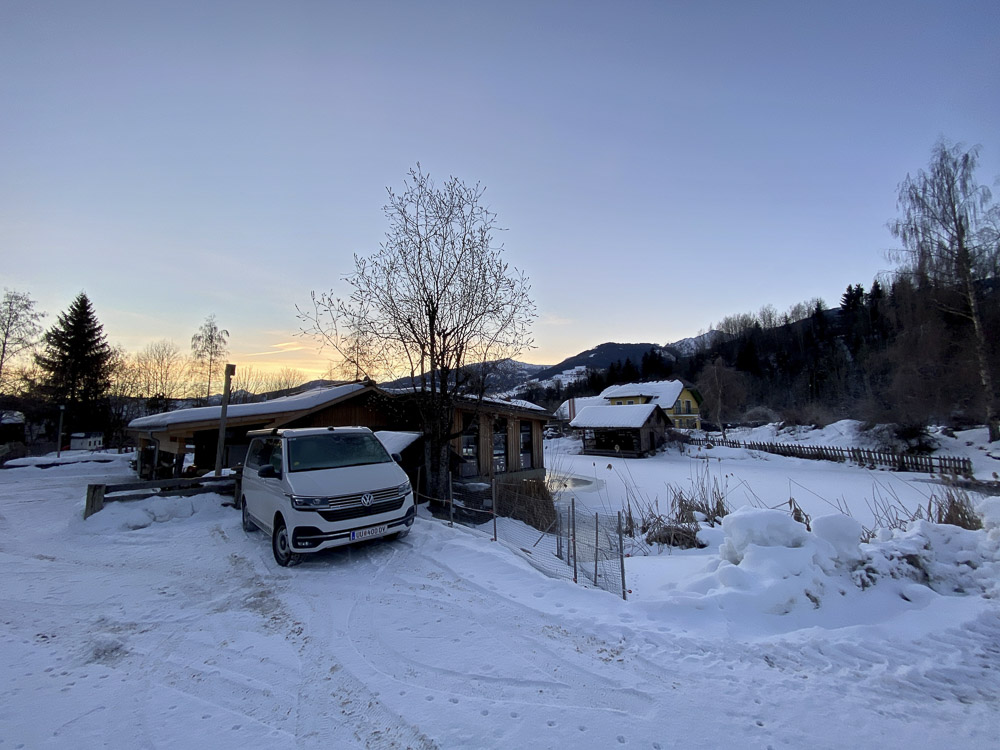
x: 776, y: 565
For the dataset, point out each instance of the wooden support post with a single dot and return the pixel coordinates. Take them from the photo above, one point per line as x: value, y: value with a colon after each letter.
x: 221, y: 444
x: 95, y: 499
x: 451, y: 504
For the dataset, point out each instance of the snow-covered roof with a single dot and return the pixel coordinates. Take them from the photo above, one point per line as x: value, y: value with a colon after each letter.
x: 570, y: 408
x: 625, y: 417
x: 307, y: 401
x: 662, y: 392
x: 517, y: 403
x: 11, y: 417
x: 396, y: 442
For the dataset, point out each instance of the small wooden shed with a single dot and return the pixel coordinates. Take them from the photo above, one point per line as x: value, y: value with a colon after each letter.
x: 631, y: 431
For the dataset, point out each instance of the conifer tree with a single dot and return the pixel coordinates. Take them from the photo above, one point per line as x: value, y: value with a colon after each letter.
x: 76, y: 361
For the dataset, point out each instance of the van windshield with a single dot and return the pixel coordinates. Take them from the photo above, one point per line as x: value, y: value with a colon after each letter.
x: 334, y: 450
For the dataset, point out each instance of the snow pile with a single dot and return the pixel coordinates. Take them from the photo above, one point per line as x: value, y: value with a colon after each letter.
x: 773, y: 564
x: 140, y: 514
x: 948, y: 559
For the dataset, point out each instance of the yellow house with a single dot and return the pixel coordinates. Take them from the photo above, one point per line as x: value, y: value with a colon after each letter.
x: 682, y: 403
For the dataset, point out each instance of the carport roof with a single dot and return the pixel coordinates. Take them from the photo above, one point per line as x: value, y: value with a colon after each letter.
x: 294, y: 404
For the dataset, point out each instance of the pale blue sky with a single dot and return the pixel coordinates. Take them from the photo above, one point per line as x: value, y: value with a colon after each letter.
x: 657, y: 165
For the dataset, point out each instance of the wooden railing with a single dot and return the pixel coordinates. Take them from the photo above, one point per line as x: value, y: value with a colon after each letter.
x: 954, y: 465
x: 99, y: 494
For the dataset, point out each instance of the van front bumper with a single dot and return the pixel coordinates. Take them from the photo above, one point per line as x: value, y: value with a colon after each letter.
x: 312, y: 539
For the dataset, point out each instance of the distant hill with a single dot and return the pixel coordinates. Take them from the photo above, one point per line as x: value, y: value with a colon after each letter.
x: 690, y: 346
x: 599, y: 358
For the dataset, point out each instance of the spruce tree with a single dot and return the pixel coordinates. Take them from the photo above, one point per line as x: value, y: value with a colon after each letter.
x: 76, y: 360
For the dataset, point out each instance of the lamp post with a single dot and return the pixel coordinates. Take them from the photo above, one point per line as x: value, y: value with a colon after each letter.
x: 62, y: 410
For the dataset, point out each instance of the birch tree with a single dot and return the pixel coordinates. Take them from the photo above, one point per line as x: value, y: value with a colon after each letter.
x: 948, y: 229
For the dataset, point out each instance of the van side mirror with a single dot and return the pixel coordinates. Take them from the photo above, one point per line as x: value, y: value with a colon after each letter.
x: 397, y: 458
x: 268, y: 472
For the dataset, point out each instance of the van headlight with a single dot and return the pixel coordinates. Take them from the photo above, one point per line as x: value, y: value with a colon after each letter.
x: 405, y: 488
x: 309, y: 503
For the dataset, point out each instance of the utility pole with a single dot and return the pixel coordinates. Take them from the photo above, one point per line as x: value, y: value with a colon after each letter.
x: 230, y: 371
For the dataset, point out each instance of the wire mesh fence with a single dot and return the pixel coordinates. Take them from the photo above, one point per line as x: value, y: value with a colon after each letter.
x: 559, y: 540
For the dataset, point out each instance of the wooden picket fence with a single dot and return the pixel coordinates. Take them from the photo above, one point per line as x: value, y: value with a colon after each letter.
x: 953, y: 465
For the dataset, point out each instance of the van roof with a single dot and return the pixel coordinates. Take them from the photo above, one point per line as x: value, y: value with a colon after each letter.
x: 303, y: 431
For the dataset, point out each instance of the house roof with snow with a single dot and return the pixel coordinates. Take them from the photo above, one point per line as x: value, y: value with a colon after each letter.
x: 662, y: 392
x: 570, y: 408
x: 615, y: 417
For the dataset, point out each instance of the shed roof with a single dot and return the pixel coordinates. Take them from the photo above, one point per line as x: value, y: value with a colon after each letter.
x: 620, y: 417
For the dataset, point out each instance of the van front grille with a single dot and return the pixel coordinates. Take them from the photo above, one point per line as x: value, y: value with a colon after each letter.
x: 360, y: 511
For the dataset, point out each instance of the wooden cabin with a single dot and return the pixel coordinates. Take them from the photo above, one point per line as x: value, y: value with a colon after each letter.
x: 631, y: 430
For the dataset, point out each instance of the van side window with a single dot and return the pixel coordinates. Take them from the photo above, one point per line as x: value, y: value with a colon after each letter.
x: 259, y: 454
x: 275, y: 456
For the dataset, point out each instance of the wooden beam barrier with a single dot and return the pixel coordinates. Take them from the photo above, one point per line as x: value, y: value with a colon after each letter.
x: 95, y: 500
x: 99, y: 494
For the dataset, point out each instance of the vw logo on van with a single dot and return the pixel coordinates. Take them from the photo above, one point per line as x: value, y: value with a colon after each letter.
x: 367, y: 499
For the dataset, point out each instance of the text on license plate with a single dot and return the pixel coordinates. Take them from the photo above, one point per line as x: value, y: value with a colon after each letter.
x: 368, y: 533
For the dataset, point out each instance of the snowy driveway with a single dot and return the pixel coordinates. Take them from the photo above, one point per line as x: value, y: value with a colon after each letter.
x: 184, y: 633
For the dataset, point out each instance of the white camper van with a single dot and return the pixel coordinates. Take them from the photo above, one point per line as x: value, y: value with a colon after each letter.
x: 316, y: 488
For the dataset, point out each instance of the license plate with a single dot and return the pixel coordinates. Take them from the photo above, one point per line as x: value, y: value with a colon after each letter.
x: 368, y: 533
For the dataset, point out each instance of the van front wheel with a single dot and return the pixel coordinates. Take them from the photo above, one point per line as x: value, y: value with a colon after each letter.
x: 282, y: 547
x: 248, y: 525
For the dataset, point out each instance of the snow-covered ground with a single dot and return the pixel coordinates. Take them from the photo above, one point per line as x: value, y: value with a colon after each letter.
x: 161, y: 624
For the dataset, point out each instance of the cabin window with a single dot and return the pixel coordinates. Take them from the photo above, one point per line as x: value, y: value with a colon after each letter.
x: 677, y: 408
x: 687, y: 406
x: 526, y: 445
x: 630, y: 402
x: 470, y: 446
x: 500, y: 445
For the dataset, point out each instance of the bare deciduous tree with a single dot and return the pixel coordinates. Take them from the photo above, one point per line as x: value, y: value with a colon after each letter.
x: 437, y: 297
x: 124, y: 391
x: 724, y: 392
x: 162, y: 371
x: 950, y: 241
x: 19, y: 329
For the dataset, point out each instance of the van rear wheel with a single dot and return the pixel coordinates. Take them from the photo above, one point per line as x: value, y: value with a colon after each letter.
x: 281, y: 545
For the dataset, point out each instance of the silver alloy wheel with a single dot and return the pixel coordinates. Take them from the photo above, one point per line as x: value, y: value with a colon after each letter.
x: 281, y: 546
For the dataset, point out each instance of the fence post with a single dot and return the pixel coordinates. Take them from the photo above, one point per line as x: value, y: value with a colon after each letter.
x: 451, y: 504
x: 493, y: 491
x: 559, y: 531
x: 621, y: 555
x: 95, y: 499
x: 572, y: 506
x: 597, y: 542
